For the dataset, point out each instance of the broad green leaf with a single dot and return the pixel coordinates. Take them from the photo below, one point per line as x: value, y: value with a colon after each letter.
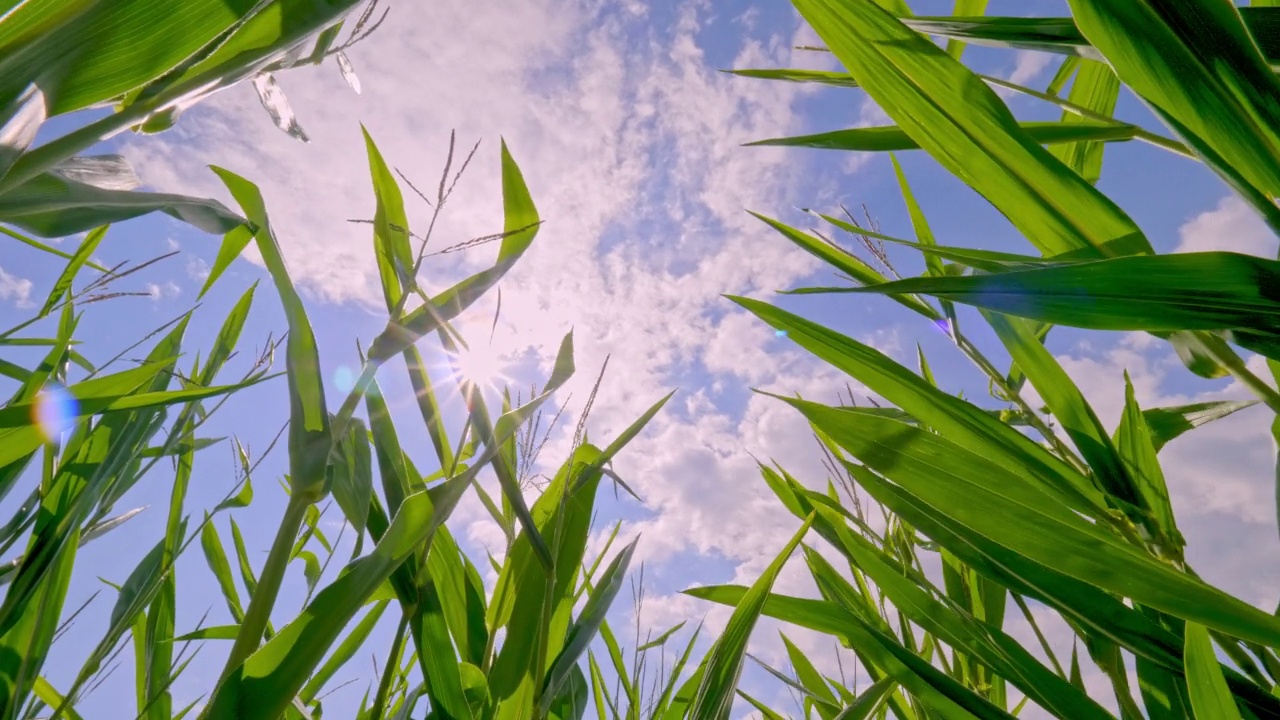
x: 50, y: 205
x: 964, y: 8
x: 1231, y: 292
x: 1133, y: 442
x: 723, y: 664
x: 309, y: 437
x: 584, y: 630
x: 986, y: 498
x: 1069, y: 406
x: 1210, y: 697
x: 390, y: 229
x: 353, y: 478
x: 1169, y: 423
x: 106, y: 50
x: 216, y: 557
x: 845, y: 262
x: 893, y: 138
x: 959, y: 421
x: 1095, y: 88
x: 1196, y: 65
x: 343, y: 653
x: 987, y: 644
x: 952, y: 114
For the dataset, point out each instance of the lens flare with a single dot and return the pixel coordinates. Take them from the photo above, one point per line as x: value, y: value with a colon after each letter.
x: 480, y: 366
x: 780, y: 333
x: 944, y: 325
x: 344, y: 379
x: 54, y: 411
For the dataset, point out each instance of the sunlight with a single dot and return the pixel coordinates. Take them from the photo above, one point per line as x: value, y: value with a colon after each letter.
x: 481, y: 366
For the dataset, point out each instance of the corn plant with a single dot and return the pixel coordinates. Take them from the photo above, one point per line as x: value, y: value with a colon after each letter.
x: 1041, y: 508
x: 449, y: 626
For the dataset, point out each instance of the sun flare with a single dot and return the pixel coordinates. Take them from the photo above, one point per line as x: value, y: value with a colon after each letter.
x: 480, y: 366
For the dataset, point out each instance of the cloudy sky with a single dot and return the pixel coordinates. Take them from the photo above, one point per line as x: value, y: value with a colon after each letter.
x: 630, y: 141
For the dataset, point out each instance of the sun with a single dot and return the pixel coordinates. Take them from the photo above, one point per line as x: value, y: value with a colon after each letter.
x: 479, y: 366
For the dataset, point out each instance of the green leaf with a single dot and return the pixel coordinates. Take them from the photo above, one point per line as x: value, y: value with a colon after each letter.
x: 216, y: 557
x: 1169, y: 423
x: 62, y: 286
x: 1069, y: 406
x: 233, y: 243
x: 1210, y: 697
x: 107, y: 50
x: 520, y: 226
x: 825, y: 77
x: 893, y: 138
x: 213, y: 632
x: 52, y: 205
x: 1095, y: 88
x: 1133, y: 442
x: 228, y: 336
x: 723, y: 665
x: 958, y: 629
x: 869, y: 700
x: 1231, y: 292
x: 390, y: 228
x: 343, y: 654
x: 1196, y: 65
x: 1055, y: 35
x: 584, y: 630
x: 964, y: 8
x: 309, y: 436
x: 959, y: 421
x: 952, y: 114
x: 845, y: 262
x: 353, y: 478
x: 810, y: 678
x: 986, y: 498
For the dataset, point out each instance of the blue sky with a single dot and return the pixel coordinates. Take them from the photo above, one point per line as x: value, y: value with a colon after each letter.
x: 629, y: 139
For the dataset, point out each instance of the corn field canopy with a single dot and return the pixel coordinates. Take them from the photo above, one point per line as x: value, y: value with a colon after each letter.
x: 835, y: 360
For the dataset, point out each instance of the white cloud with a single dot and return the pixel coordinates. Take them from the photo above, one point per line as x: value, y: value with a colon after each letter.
x: 1230, y: 226
x: 15, y: 289
x: 160, y: 291
x: 1028, y: 64
x: 197, y: 268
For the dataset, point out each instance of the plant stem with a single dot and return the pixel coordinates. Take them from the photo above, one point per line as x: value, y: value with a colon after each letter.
x: 976, y: 356
x: 264, y: 597
x: 393, y: 664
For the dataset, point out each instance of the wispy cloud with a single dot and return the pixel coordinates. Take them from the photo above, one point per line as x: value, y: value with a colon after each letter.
x: 15, y: 289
